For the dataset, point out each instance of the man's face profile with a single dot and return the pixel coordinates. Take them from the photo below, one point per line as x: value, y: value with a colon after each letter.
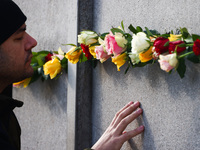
x: 15, y: 55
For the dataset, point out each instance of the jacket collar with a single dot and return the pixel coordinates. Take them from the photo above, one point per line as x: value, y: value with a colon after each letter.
x: 8, y: 103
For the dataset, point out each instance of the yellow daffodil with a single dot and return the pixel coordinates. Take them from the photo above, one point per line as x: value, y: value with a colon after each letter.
x: 146, y: 56
x: 92, y: 51
x: 23, y: 83
x: 119, y: 60
x: 174, y: 37
x: 52, y: 67
x: 73, y: 56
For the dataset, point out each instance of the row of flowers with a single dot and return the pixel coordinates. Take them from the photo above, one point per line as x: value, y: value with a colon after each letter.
x: 137, y: 48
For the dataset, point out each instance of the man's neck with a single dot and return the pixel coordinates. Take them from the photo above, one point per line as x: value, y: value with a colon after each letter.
x: 3, y: 86
x: 7, y: 91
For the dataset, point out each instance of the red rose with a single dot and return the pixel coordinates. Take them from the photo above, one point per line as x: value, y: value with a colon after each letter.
x: 48, y: 57
x: 174, y: 44
x: 86, y: 51
x: 196, y: 47
x: 159, y: 45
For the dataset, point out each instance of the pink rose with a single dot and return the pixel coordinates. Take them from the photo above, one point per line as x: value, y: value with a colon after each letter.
x: 101, y: 54
x: 112, y: 46
x: 59, y: 56
x: 168, y: 62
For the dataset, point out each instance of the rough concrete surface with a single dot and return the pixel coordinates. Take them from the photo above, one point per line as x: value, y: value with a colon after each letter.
x: 43, y: 118
x: 171, y: 105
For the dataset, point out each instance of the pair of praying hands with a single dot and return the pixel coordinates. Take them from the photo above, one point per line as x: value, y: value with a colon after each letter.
x: 114, y: 136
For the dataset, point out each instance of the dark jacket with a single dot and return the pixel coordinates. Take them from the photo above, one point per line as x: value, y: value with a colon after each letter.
x: 10, y: 131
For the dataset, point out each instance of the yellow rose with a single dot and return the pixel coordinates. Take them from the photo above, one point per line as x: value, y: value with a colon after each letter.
x: 92, y: 51
x: 23, y: 83
x: 119, y: 60
x: 52, y: 67
x: 146, y: 56
x: 174, y: 37
x: 73, y: 56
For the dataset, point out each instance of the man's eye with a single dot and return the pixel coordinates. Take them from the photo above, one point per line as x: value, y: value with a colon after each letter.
x: 18, y: 39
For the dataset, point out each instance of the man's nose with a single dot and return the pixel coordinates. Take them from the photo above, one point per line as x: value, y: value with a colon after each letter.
x: 31, y: 42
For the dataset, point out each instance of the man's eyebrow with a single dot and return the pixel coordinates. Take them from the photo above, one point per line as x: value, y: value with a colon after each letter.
x: 22, y: 29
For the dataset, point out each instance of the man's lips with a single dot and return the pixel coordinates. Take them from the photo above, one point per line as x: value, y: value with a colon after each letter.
x: 29, y: 57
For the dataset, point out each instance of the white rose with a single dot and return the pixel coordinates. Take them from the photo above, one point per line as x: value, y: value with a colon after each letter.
x: 139, y: 42
x: 168, y: 62
x: 134, y: 58
x: 120, y: 39
x: 87, y: 37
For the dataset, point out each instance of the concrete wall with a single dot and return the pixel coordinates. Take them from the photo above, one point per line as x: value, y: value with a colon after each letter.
x: 43, y: 118
x: 58, y: 114
x: 171, y: 105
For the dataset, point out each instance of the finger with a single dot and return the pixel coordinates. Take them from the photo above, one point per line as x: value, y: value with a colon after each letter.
x: 122, y: 109
x: 127, y: 120
x: 128, y: 135
x: 123, y: 114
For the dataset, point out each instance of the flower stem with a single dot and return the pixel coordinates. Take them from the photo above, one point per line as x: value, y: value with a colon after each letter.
x: 182, y: 56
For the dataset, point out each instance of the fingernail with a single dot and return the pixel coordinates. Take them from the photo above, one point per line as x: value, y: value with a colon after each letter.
x: 139, y: 110
x: 137, y: 103
x: 141, y: 128
x: 130, y: 103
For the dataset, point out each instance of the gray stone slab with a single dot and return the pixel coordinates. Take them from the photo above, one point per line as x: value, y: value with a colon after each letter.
x: 170, y: 104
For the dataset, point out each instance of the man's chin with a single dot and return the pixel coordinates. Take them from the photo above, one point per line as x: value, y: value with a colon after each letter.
x: 29, y: 73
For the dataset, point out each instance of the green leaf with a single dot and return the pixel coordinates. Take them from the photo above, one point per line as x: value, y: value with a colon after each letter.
x: 33, y: 60
x: 113, y: 30
x: 154, y: 32
x: 140, y: 64
x: 64, y: 64
x: 82, y: 58
x: 41, y: 59
x: 166, y: 44
x: 181, y: 67
x: 77, y: 49
x: 139, y: 29
x: 127, y: 69
x: 69, y: 44
x: 44, y: 52
x: 148, y: 32
x: 164, y: 35
x: 195, y: 37
x: 182, y: 45
x: 103, y: 35
x: 132, y: 29
x: 193, y: 58
x: 184, y: 33
x: 122, y: 24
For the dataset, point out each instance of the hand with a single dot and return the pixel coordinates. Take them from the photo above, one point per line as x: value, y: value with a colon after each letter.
x: 114, y: 136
